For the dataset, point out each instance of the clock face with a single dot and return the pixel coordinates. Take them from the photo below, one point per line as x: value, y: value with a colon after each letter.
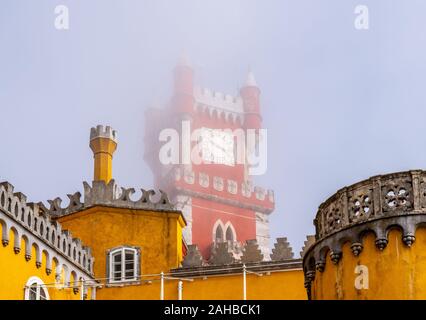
x: 217, y: 146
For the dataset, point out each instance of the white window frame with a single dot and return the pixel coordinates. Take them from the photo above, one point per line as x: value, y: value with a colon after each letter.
x: 136, y: 267
x: 39, y: 286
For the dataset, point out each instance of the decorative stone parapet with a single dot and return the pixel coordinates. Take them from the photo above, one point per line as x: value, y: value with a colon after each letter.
x: 36, y: 227
x: 377, y: 205
x: 112, y: 195
x: 233, y: 252
x: 218, y: 105
x: 193, y: 257
x: 253, y: 194
x: 251, y: 252
x: 382, y: 196
x: 103, y: 132
x: 282, y: 250
x: 310, y: 240
x: 100, y: 193
x: 221, y: 254
x: 237, y: 268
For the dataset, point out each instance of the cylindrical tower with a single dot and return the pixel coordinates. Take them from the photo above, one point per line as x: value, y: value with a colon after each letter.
x: 103, y: 142
x: 370, y: 241
x: 183, y: 98
x: 250, y: 93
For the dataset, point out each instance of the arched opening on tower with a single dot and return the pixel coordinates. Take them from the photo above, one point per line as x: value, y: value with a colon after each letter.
x: 219, y: 234
x: 229, y: 234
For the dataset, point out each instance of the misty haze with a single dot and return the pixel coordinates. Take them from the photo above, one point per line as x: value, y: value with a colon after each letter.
x: 339, y: 104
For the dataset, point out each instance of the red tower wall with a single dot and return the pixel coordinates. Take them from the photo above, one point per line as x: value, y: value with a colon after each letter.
x: 205, y: 213
x: 208, y: 203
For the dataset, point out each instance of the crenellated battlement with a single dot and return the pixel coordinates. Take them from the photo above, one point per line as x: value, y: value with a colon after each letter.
x: 310, y: 240
x: 234, y: 252
x: 111, y: 195
x: 103, y: 132
x: 218, y: 105
x: 218, y: 99
x: 223, y: 260
x: 227, y: 116
x: 30, y: 221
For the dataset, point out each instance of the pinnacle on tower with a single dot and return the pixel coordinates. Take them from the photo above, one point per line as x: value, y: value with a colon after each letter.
x: 183, y: 86
x: 250, y: 81
x: 250, y: 93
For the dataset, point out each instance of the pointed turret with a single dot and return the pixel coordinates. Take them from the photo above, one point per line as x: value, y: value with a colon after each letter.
x: 250, y: 93
x: 183, y: 85
x: 250, y: 81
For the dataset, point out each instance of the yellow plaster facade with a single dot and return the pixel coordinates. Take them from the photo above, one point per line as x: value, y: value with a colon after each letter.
x: 159, y: 237
x: 157, y: 234
x: 111, y: 247
x: 394, y: 273
x: 18, y: 268
x: 103, y: 150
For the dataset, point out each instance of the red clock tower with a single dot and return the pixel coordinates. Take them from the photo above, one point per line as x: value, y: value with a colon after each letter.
x: 215, y: 191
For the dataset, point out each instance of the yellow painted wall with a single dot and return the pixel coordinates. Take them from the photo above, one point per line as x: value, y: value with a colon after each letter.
x: 397, y: 272
x: 157, y: 234
x: 282, y: 285
x: 16, y: 271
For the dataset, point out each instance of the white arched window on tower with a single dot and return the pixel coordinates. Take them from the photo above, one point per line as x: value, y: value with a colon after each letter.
x: 35, y: 289
x: 218, y: 232
x: 123, y: 264
x: 224, y: 232
x: 230, y: 234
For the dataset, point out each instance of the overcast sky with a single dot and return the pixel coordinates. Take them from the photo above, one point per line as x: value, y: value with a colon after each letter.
x: 340, y: 104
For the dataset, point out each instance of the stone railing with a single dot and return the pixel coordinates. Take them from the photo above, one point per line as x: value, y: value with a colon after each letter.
x: 389, y: 195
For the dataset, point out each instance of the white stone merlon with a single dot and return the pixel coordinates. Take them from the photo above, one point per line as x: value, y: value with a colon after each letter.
x: 262, y: 233
x: 260, y: 193
x: 103, y: 132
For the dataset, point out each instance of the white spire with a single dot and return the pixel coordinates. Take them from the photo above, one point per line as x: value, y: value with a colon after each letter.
x: 251, y: 81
